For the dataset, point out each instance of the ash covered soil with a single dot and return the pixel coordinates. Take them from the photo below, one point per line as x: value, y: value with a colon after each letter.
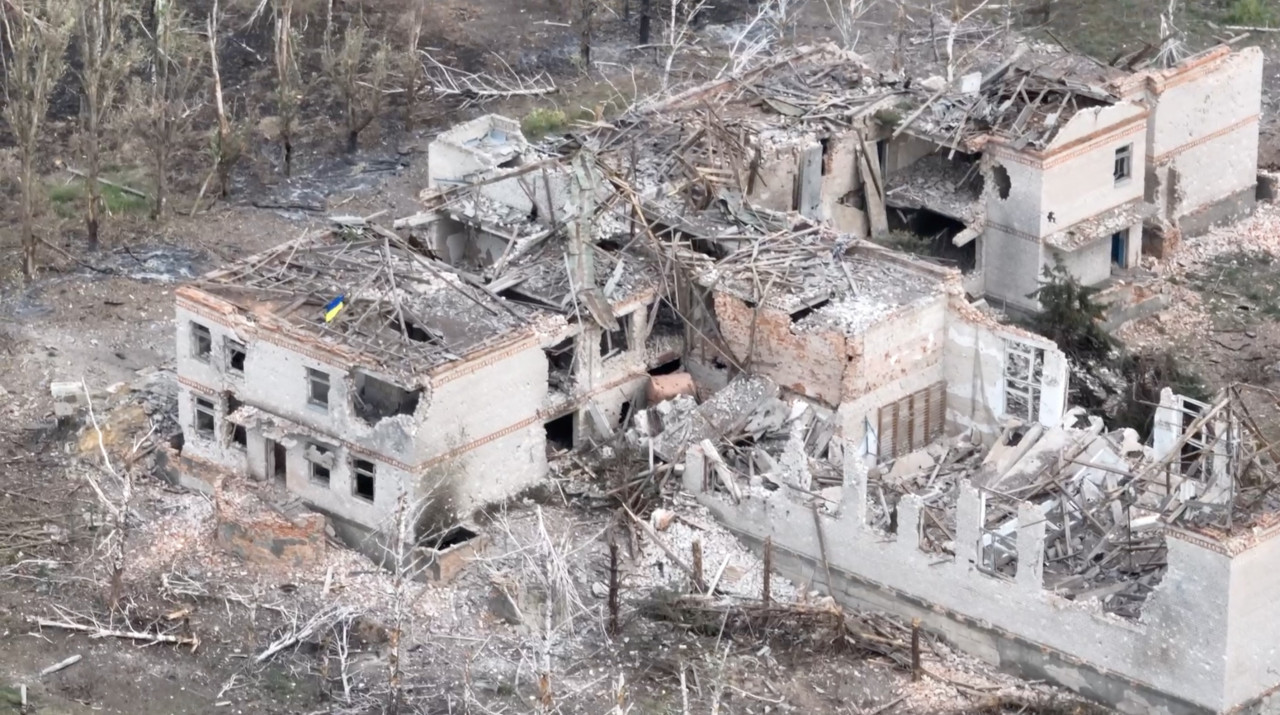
x: 107, y: 319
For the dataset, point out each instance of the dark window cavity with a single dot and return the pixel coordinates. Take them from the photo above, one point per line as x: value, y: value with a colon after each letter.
x: 235, y: 357
x: 362, y: 485
x: 201, y: 342
x: 205, y: 417
x: 1124, y: 163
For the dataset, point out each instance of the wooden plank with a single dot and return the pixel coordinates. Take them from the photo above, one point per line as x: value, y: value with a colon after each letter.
x: 876, y: 215
x: 810, y: 178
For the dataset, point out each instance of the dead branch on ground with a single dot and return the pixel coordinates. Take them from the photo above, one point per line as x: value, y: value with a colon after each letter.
x: 475, y: 88
x: 299, y: 632
x: 71, y: 621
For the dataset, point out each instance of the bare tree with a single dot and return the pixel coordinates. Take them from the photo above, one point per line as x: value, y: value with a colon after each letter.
x: 163, y: 109
x: 583, y: 19
x: 105, y: 58
x: 846, y: 15
x: 288, y: 78
x: 36, y: 33
x: 227, y: 142
x: 411, y: 63
x: 116, y: 505
x: 679, y: 32
x: 359, y: 69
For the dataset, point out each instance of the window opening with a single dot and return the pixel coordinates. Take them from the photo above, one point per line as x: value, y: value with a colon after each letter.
x: 1023, y: 374
x: 205, y: 417
x: 1124, y: 163
x: 362, y: 485
x: 201, y: 342
x: 318, y: 388
x: 235, y: 356
x: 321, y: 460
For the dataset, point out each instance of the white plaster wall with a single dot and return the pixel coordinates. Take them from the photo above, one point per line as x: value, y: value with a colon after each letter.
x: 1091, y: 263
x: 338, y: 496
x: 905, y: 151
x: 1183, y: 113
x: 973, y: 366
x: 841, y: 177
x: 895, y: 357
x: 218, y: 449
x: 481, y: 403
x: 1084, y: 186
x: 1087, y: 122
x: 1177, y: 647
x: 1021, y: 211
x: 775, y: 180
x: 275, y: 380
x: 1216, y: 169
x: 1253, y: 636
x: 1011, y: 266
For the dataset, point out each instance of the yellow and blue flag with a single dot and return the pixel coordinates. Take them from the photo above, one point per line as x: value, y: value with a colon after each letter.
x: 333, y: 307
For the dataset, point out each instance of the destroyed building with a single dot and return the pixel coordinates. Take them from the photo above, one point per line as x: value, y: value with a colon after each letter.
x: 430, y: 382
x: 1020, y: 162
x: 1059, y: 161
x: 1138, y: 575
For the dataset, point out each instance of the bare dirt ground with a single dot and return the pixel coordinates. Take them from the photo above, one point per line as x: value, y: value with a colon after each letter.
x: 106, y: 319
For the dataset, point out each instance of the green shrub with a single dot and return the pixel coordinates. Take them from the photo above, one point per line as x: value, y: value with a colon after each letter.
x: 541, y: 122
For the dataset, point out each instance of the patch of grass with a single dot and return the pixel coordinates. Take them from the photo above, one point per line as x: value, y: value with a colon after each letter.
x: 68, y: 200
x: 1252, y: 13
x: 542, y: 121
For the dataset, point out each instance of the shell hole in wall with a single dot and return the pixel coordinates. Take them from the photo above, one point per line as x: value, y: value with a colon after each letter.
x: 1003, y: 183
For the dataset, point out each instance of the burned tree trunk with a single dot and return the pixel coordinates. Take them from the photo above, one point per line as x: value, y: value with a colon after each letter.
x: 105, y: 59
x: 645, y: 6
x: 34, y: 44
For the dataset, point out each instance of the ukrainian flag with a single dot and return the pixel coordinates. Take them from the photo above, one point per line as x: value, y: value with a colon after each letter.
x: 334, y: 307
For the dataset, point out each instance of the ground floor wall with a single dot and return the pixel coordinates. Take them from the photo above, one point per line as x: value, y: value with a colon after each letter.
x: 1011, y: 268
x: 1172, y: 660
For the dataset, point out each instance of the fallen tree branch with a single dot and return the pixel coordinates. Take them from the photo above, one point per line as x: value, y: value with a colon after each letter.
x: 320, y: 621
x: 112, y: 184
x: 96, y: 631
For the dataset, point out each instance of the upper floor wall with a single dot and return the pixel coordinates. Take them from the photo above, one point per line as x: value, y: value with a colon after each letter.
x: 1093, y: 165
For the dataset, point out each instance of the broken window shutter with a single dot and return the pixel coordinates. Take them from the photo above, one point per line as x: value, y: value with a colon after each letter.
x: 886, y: 424
x: 902, y: 427
x: 938, y: 410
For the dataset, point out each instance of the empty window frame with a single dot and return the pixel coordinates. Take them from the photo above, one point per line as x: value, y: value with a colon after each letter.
x: 320, y: 459
x: 318, y: 388
x: 614, y: 342
x: 1124, y: 163
x: 206, y: 417
x: 362, y: 483
x: 1023, y: 375
x: 235, y: 356
x: 201, y: 342
x: 912, y: 422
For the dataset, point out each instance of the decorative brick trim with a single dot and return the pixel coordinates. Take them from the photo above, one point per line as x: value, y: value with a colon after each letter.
x: 350, y: 446
x: 1075, y: 148
x: 1032, y: 238
x: 1229, y: 129
x: 192, y: 384
x: 476, y: 364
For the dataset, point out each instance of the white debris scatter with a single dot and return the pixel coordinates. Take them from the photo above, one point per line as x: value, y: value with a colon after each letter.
x: 743, y: 570
x: 1259, y: 233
